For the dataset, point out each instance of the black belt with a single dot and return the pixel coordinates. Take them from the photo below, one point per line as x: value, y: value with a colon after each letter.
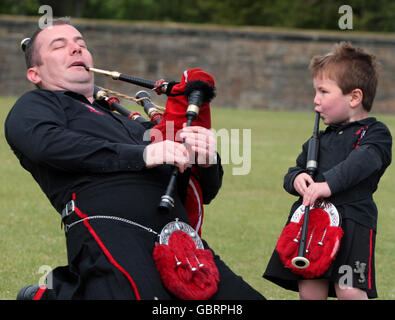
x: 67, y: 211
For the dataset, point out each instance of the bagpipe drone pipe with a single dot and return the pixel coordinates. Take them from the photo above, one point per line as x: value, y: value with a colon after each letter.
x: 188, y: 102
x: 310, y: 241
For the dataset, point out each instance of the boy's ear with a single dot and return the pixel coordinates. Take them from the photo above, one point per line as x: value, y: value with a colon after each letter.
x: 356, y: 97
x: 33, y: 75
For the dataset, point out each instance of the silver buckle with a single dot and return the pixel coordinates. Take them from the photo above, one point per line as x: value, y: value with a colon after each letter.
x: 68, y: 209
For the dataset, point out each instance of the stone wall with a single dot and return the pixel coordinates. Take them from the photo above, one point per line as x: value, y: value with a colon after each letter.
x: 253, y: 67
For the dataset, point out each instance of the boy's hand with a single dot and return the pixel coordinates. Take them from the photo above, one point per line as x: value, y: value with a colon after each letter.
x: 302, y: 182
x: 316, y: 191
x: 310, y: 190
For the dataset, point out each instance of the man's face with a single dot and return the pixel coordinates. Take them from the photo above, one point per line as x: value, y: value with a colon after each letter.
x: 63, y: 53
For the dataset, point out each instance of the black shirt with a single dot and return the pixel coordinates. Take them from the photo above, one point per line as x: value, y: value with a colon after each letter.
x: 352, y: 159
x: 69, y: 144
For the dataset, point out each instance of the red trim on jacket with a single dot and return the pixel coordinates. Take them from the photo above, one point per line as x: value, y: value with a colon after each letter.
x: 370, y: 260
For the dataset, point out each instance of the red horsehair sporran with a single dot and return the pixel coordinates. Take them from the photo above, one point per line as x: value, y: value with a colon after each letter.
x: 323, y: 239
x: 186, y: 268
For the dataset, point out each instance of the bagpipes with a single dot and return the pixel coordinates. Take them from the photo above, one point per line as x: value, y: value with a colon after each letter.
x: 310, y: 241
x: 186, y: 268
x: 188, y: 101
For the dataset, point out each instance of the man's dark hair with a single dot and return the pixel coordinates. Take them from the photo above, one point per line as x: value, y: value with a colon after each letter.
x: 32, y: 57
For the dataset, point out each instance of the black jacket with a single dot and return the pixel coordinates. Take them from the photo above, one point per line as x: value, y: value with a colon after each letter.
x: 352, y: 159
x: 68, y: 144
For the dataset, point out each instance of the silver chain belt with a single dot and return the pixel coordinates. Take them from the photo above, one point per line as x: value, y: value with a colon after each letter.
x: 69, y: 226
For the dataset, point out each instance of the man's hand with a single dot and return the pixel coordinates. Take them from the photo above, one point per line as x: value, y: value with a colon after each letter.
x: 201, y: 143
x: 166, y: 151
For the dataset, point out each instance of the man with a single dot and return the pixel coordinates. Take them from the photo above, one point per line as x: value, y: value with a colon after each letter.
x: 78, y: 150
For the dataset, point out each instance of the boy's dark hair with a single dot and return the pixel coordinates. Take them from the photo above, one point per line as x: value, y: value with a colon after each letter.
x: 32, y: 57
x: 351, y: 68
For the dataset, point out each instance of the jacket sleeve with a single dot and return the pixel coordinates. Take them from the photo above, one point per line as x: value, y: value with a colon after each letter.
x: 211, y: 180
x: 36, y: 128
x: 373, y: 155
x: 294, y: 171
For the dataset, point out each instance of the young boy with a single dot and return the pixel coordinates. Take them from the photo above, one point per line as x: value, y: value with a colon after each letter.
x: 355, y: 150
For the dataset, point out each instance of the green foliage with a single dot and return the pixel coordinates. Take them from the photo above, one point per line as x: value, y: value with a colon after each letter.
x: 20, y: 7
x: 378, y: 15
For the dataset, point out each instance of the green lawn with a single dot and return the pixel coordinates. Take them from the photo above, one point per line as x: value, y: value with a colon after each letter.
x: 242, y: 224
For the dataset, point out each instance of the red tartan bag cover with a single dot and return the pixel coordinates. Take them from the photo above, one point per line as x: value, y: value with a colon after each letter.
x: 177, y: 103
x: 322, y: 243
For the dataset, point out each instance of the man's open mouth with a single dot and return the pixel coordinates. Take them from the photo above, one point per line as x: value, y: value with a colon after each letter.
x: 77, y: 64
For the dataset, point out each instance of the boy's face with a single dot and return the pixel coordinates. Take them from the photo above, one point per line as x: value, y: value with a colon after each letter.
x: 330, y: 102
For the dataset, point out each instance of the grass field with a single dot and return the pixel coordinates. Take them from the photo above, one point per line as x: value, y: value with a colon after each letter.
x: 242, y: 224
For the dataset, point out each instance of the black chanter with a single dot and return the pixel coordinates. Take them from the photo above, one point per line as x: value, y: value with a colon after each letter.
x: 195, y: 101
x: 300, y: 261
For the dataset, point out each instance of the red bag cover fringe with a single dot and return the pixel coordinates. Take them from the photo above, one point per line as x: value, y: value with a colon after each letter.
x: 322, y: 243
x: 187, y: 272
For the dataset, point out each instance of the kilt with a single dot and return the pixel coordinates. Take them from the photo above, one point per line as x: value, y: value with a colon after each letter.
x: 353, y: 265
x: 110, y: 259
